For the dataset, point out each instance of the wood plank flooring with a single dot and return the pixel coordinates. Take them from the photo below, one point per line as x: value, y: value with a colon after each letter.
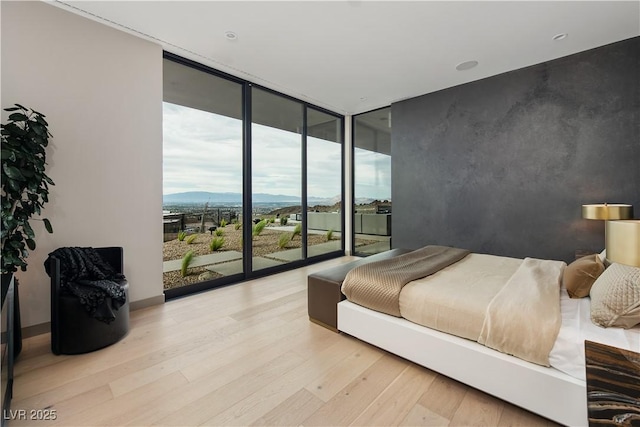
x: 238, y: 356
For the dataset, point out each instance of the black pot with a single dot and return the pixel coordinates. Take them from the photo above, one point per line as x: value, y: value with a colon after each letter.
x: 17, y: 325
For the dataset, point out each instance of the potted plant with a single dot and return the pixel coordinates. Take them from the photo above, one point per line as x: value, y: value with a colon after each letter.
x: 25, y: 189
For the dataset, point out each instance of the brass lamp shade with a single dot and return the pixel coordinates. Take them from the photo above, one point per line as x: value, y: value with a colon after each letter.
x: 623, y: 242
x: 606, y: 211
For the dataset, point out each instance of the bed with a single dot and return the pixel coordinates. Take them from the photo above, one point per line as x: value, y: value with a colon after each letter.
x: 557, y: 392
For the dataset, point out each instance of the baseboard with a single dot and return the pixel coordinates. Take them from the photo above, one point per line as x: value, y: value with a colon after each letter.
x: 45, y: 328
x: 39, y: 329
x: 144, y: 303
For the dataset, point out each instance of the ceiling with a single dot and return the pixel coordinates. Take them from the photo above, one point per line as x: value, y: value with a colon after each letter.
x: 355, y: 56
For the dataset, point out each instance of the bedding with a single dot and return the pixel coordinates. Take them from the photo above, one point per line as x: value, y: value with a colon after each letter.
x: 516, y: 311
x: 523, y: 319
x: 464, y: 289
x: 567, y: 354
x: 455, y: 299
x: 377, y: 285
x: 580, y: 275
x: 615, y: 297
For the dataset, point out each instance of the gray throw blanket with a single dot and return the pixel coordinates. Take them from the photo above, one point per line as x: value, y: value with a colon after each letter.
x: 377, y: 285
x: 84, y: 274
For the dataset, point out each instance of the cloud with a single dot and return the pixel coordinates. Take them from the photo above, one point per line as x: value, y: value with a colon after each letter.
x: 202, y: 151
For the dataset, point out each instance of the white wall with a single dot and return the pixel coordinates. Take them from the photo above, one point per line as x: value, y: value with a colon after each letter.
x: 101, y: 90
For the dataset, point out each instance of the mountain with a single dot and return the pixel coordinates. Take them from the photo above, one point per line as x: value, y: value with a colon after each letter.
x: 202, y: 197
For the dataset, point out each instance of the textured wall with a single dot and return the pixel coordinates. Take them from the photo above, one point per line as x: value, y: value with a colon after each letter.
x: 503, y: 165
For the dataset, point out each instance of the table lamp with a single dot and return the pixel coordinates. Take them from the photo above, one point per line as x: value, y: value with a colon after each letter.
x: 622, y: 241
x: 621, y: 233
x: 607, y: 211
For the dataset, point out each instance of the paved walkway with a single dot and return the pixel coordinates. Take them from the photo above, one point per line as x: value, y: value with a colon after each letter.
x: 230, y: 262
x: 296, y: 253
x: 224, y: 256
x: 235, y: 267
x: 373, y: 248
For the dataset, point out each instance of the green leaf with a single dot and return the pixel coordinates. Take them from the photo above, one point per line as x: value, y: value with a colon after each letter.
x: 11, y: 109
x: 28, y: 230
x: 8, y: 154
x: 13, y: 172
x: 14, y: 185
x: 39, y: 129
x: 18, y: 117
x: 40, y: 119
x: 16, y: 245
x: 31, y: 244
x: 47, y: 225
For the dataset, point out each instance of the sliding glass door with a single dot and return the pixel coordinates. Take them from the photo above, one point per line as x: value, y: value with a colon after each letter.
x: 246, y: 170
x: 202, y: 176
x: 276, y: 177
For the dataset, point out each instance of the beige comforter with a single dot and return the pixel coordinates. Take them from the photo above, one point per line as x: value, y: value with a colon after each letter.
x: 377, y: 285
x: 523, y: 319
x: 455, y: 299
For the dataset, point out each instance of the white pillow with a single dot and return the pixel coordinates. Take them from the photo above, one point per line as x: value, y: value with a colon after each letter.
x: 615, y: 297
x: 603, y: 255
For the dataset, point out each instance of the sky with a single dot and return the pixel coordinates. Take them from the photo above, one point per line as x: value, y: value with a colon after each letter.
x: 202, y: 151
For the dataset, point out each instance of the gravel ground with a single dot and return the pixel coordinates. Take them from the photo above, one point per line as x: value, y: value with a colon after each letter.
x: 265, y: 243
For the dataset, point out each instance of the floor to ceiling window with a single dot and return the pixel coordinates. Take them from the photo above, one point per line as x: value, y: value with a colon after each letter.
x: 202, y: 176
x: 372, y: 181
x: 236, y: 192
x: 324, y: 183
x: 276, y: 178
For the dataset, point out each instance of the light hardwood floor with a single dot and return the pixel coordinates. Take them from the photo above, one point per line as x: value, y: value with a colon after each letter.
x: 244, y: 355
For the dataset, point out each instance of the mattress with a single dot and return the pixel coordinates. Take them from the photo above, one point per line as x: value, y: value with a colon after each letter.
x: 469, y: 286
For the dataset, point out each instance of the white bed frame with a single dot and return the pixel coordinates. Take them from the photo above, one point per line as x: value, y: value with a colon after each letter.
x: 544, y: 391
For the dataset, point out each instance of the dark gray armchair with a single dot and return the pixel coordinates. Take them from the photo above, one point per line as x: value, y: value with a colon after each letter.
x: 73, y: 329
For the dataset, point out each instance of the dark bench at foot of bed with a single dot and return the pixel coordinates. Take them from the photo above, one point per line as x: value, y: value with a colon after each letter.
x: 324, y: 289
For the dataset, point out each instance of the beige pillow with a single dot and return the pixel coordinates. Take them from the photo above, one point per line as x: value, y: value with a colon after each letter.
x: 615, y: 297
x: 580, y: 275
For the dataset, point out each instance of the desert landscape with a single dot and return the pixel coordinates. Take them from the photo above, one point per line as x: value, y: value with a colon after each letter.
x: 266, y: 243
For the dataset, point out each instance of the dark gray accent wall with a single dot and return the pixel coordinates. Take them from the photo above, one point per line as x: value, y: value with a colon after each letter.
x: 502, y: 165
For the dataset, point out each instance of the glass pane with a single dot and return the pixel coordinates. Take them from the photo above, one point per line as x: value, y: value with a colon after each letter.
x: 324, y: 183
x: 202, y: 176
x: 372, y: 182
x: 276, y: 163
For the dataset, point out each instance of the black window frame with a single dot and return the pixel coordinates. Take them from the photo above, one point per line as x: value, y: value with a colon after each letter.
x: 247, y: 207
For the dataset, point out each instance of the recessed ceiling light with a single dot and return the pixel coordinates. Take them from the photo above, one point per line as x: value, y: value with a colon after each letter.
x: 230, y: 35
x: 467, y: 65
x: 560, y: 36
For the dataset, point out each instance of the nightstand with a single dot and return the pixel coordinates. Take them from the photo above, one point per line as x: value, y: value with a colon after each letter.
x: 613, y: 385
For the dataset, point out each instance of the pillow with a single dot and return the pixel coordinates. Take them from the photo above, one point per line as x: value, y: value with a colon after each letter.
x: 615, y: 297
x: 580, y: 275
x: 603, y: 255
x: 603, y: 258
